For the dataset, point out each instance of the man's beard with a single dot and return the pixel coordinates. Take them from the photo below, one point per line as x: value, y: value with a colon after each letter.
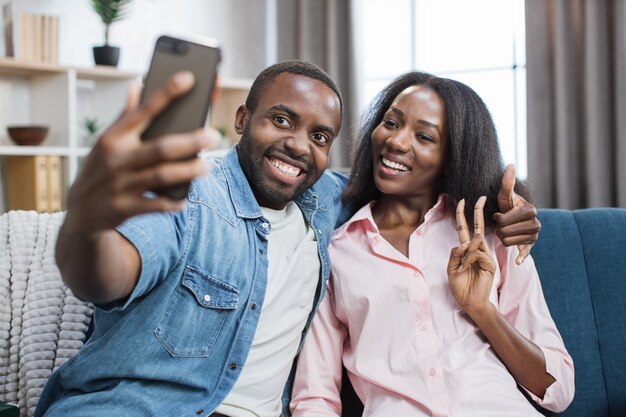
x: 251, y: 159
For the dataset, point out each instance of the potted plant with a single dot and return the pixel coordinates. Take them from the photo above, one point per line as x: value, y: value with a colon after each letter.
x: 91, y: 126
x: 109, y: 11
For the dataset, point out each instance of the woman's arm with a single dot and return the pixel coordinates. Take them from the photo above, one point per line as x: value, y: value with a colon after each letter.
x: 317, y: 384
x: 470, y: 272
x: 523, y: 306
x: 522, y: 358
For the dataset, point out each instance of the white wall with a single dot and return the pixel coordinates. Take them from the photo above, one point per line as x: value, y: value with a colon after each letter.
x: 239, y: 25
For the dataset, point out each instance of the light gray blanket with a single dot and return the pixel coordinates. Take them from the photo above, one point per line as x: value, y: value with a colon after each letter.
x: 42, y: 324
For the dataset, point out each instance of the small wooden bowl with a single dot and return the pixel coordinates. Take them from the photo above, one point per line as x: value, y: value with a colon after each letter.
x: 28, y: 135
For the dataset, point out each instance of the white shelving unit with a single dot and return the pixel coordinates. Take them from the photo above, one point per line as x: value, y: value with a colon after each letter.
x: 61, y: 97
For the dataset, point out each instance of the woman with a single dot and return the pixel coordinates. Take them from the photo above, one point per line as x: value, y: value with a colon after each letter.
x: 427, y: 319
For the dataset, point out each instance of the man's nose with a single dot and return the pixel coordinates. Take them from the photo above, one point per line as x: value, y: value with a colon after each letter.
x: 298, y: 144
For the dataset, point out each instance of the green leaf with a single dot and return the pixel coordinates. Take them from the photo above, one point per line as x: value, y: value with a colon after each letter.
x: 110, y: 10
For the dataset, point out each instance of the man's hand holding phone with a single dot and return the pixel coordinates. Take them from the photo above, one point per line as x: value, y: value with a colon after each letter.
x: 152, y: 146
x: 121, y: 168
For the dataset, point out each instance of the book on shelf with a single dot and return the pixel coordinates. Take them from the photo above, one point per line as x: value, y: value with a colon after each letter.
x: 7, y: 21
x: 45, y: 40
x: 26, y: 50
x: 30, y: 36
x: 54, y: 184
x: 34, y: 183
x: 53, y: 40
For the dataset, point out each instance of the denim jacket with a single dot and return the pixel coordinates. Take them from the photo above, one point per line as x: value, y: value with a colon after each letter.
x: 176, y: 346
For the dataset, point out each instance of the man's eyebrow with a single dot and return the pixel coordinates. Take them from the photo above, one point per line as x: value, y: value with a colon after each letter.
x: 286, y: 109
x: 327, y: 129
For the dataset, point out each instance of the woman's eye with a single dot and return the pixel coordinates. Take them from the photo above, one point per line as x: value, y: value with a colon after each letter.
x: 422, y: 136
x: 390, y: 123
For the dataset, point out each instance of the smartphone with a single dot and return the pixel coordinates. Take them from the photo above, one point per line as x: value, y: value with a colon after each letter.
x: 200, y: 56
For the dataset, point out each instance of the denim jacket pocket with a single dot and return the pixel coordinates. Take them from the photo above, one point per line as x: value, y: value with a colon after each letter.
x: 195, y: 314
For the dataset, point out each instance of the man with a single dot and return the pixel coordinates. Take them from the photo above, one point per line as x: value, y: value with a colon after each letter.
x: 191, y: 293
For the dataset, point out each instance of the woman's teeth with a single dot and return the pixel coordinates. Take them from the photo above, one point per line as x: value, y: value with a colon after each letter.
x: 394, y: 165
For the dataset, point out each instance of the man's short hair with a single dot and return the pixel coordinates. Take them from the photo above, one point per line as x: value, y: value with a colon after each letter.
x: 268, y: 75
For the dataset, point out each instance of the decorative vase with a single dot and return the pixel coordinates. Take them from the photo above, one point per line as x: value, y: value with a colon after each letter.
x: 106, y: 55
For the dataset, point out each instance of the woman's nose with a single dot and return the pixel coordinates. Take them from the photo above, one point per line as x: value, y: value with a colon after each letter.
x: 400, y: 141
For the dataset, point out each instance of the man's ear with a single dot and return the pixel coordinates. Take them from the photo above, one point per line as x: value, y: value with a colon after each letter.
x: 241, y: 119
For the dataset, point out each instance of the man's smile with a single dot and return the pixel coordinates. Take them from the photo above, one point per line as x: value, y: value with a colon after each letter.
x: 285, y: 168
x: 285, y: 173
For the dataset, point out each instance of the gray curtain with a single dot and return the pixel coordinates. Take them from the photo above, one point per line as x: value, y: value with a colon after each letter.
x: 320, y: 31
x: 576, y: 80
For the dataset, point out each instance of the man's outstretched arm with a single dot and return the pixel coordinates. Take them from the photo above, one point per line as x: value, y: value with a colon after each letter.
x: 97, y: 262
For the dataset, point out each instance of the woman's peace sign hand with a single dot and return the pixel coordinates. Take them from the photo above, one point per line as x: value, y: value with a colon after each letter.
x: 470, y: 267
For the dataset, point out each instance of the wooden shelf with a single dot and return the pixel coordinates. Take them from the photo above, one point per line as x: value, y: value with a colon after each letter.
x: 26, y: 69
x: 83, y: 151
x: 61, y: 97
x: 100, y: 72
x: 35, y: 150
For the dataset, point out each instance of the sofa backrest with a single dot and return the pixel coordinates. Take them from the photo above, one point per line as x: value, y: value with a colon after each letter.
x: 581, y: 259
x: 580, y: 256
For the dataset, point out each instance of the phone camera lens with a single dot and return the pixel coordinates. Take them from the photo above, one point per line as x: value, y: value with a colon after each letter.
x: 181, y: 47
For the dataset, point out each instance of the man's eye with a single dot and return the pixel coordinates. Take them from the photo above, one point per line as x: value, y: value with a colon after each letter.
x: 320, y: 138
x: 281, y: 120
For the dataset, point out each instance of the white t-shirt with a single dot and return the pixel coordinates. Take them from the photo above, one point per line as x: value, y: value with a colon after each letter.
x: 293, y: 274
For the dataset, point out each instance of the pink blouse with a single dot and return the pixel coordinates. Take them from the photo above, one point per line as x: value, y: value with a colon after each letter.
x: 408, y: 347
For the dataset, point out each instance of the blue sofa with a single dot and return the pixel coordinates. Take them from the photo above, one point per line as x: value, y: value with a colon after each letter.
x: 581, y: 259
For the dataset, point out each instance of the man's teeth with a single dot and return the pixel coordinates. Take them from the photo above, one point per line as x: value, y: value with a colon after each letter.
x: 285, y: 169
x: 394, y: 165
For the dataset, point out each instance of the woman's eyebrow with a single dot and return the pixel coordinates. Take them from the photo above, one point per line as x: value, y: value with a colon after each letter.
x: 397, y: 111
x: 427, y: 123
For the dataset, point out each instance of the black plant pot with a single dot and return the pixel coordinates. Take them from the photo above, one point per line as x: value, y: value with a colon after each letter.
x: 106, y: 55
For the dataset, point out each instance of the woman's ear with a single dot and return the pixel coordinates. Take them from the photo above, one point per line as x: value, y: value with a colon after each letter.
x: 241, y: 119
